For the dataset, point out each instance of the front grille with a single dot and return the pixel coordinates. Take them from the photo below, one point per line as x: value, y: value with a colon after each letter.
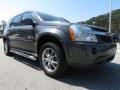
x: 102, y: 38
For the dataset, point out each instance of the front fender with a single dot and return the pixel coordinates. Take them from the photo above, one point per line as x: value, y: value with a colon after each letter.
x: 60, y: 35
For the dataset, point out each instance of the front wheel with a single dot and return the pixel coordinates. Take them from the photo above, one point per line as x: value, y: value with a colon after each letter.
x: 7, y: 49
x: 52, y: 60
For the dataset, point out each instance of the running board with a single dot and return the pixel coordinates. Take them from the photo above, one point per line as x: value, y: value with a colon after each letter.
x: 24, y: 55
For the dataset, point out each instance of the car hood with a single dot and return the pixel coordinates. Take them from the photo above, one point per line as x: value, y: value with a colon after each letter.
x: 96, y: 28
x: 56, y: 23
x: 89, y: 29
x: 85, y: 27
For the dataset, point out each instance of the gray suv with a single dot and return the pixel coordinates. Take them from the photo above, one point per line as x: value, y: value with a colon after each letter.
x: 56, y: 42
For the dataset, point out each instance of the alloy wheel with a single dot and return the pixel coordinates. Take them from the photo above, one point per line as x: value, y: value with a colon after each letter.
x: 49, y: 59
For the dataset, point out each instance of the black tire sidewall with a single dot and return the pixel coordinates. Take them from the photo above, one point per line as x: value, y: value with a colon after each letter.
x: 8, y: 50
x: 61, y: 60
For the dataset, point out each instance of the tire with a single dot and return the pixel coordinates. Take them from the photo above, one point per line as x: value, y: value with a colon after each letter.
x: 52, y: 60
x: 7, y: 49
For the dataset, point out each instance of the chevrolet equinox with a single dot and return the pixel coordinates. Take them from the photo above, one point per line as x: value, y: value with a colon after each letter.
x: 56, y: 42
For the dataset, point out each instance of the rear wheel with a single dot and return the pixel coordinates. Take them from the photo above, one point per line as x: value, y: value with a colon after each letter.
x: 52, y: 60
x: 7, y: 48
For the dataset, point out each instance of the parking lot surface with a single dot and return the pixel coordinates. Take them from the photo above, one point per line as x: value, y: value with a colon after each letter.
x: 18, y: 73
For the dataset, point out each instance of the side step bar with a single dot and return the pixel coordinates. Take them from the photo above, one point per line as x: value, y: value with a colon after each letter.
x: 23, y: 54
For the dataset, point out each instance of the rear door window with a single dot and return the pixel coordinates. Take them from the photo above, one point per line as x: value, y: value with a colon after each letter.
x: 16, y: 21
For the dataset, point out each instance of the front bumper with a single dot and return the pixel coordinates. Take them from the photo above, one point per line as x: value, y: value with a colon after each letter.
x: 87, y: 54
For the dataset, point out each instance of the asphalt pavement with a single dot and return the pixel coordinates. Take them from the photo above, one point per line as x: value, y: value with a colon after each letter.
x: 18, y: 73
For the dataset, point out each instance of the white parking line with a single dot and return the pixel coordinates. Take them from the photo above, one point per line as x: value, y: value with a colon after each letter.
x: 118, y: 48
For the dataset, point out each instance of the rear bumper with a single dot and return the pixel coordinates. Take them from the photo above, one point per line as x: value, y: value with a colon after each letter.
x: 87, y: 54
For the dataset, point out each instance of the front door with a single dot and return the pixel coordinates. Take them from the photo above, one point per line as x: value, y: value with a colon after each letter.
x: 13, y: 31
x: 26, y: 33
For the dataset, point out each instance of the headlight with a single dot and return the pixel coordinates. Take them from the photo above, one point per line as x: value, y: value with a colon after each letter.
x: 77, y: 35
x: 88, y: 37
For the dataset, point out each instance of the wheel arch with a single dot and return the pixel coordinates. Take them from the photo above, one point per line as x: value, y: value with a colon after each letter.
x: 54, y: 39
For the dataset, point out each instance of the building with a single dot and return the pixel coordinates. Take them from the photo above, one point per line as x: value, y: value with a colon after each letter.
x: 1, y: 27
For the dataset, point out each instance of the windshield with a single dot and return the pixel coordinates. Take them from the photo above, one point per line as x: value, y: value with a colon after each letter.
x: 46, y: 17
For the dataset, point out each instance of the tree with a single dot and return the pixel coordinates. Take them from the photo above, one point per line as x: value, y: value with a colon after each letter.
x: 103, y: 21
